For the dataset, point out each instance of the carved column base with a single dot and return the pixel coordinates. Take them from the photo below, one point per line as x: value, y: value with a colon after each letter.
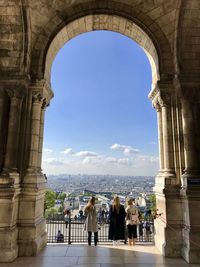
x: 190, y: 250
x: 9, y: 202
x: 32, y: 238
x: 32, y: 225
x: 167, y: 241
x: 168, y: 229
x: 191, y: 228
x: 8, y: 244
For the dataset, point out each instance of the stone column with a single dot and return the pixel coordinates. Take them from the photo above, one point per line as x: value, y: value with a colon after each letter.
x: 9, y: 178
x: 41, y: 135
x: 191, y: 156
x: 35, y: 133
x: 166, y: 189
x: 160, y: 137
x: 191, y: 181
x: 10, y: 162
x: 2, y: 125
x: 32, y: 230
x: 167, y: 138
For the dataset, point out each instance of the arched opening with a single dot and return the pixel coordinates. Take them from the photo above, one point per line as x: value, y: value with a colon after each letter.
x: 162, y: 95
x: 107, y: 79
x: 101, y: 82
x: 167, y: 30
x: 131, y: 30
x: 104, y: 22
x: 167, y: 165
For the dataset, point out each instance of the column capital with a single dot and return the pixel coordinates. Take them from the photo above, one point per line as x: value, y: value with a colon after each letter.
x: 42, y: 86
x: 15, y: 93
x: 37, y: 97
x: 161, y: 94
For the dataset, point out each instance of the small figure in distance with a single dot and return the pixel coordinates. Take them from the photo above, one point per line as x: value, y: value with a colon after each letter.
x: 59, y: 237
x: 91, y: 221
x: 67, y: 217
x: 80, y: 215
x: 45, y: 177
x: 117, y: 221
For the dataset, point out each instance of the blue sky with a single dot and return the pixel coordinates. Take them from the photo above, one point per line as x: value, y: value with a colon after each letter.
x: 100, y: 120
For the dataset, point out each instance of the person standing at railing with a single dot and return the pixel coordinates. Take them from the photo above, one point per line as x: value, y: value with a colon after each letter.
x: 91, y: 221
x: 67, y: 217
x: 117, y: 221
x: 132, y: 219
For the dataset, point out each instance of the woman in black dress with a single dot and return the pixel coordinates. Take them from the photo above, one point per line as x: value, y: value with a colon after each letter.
x: 117, y: 221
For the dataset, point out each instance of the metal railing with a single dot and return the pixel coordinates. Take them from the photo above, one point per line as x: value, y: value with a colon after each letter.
x: 73, y: 231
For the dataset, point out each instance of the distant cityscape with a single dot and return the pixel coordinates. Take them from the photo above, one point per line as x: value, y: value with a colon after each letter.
x: 72, y: 192
x: 122, y: 185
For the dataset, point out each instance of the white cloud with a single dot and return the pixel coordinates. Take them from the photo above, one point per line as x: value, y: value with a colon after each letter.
x: 149, y: 159
x: 67, y: 151
x: 125, y: 161
x: 48, y: 150
x: 53, y: 161
x: 90, y: 161
x: 111, y: 160
x: 86, y: 154
x: 131, y: 163
x: 127, y: 150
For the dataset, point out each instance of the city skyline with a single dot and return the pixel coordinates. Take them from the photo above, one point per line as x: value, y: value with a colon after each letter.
x: 101, y: 120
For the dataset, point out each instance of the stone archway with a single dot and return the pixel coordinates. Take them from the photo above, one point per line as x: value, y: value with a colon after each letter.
x: 162, y: 96
x: 26, y: 91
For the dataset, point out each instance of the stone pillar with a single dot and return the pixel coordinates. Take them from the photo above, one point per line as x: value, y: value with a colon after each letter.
x: 167, y: 139
x: 9, y: 178
x: 10, y: 162
x: 166, y: 188
x: 191, y: 182
x: 2, y: 126
x: 160, y: 139
x: 191, y: 156
x: 35, y: 133
x: 32, y: 232
x: 41, y: 135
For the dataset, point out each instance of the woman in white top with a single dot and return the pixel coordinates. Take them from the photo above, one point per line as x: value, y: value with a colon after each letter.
x: 131, y: 222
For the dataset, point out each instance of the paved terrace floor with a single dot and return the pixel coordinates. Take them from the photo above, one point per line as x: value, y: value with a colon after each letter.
x: 100, y: 256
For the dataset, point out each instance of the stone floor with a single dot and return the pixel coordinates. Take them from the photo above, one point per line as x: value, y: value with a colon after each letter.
x: 100, y: 256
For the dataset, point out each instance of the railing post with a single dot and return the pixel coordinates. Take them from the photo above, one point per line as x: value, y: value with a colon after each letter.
x: 69, y: 232
x: 125, y: 234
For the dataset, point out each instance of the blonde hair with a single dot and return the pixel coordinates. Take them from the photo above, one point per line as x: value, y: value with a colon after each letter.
x: 116, y: 204
x: 90, y: 203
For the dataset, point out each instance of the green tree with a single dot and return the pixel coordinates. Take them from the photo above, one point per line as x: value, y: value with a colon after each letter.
x: 51, y: 211
x: 152, y: 199
x: 61, y: 209
x: 62, y: 196
x: 49, y: 199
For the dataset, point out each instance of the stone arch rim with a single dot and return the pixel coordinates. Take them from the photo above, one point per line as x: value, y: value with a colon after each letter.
x: 143, y: 35
x: 102, y: 11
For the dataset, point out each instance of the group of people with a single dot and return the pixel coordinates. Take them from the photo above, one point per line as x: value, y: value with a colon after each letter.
x: 118, y: 215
